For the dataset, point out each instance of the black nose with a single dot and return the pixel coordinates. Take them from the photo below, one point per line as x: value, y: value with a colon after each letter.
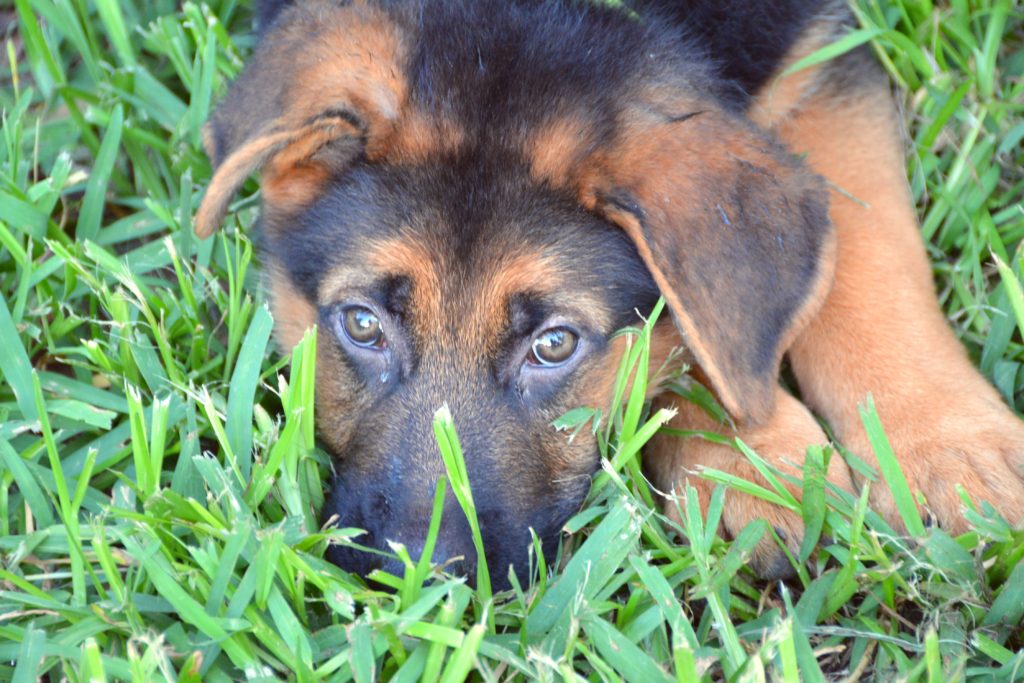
x: 394, y: 518
x: 403, y: 515
x: 454, y: 562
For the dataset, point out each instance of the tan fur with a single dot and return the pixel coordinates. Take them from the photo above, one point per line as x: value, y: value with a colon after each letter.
x: 519, y: 271
x: 419, y: 136
x: 785, y: 93
x: 530, y: 271
x: 408, y: 258
x: 555, y: 149
x: 511, y: 275
x: 293, y: 313
x: 882, y: 333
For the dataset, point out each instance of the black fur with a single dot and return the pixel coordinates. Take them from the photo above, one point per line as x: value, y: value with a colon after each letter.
x: 744, y: 40
x: 267, y: 11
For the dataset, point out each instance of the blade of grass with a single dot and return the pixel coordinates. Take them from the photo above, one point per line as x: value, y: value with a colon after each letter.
x: 30, y: 656
x: 891, y: 471
x: 91, y: 214
x: 243, y: 389
x: 15, y: 365
x: 455, y: 466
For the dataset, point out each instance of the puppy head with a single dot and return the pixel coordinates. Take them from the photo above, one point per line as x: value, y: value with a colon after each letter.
x: 431, y: 287
x: 479, y: 249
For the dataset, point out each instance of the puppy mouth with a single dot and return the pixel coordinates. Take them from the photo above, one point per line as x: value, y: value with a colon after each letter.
x: 509, y: 536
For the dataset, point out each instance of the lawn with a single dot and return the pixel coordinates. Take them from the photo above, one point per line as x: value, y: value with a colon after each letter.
x: 160, y: 477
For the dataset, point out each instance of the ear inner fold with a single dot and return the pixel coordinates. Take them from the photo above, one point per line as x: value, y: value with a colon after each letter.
x: 325, y: 82
x: 284, y: 149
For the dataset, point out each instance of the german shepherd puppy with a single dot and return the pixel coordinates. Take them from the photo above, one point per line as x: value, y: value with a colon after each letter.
x: 469, y: 197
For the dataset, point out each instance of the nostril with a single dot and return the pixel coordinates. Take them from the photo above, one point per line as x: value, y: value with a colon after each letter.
x: 461, y: 566
x: 455, y: 561
x: 379, y: 507
x: 455, y: 564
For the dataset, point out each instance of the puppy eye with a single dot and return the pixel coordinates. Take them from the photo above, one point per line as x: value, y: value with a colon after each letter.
x: 362, y: 327
x: 553, y: 347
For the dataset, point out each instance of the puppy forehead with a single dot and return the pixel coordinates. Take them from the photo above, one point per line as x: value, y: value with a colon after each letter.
x: 467, y: 235
x: 444, y: 278
x: 473, y: 294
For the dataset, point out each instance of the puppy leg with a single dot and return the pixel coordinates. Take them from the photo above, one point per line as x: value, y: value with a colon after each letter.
x: 881, y: 332
x: 672, y: 462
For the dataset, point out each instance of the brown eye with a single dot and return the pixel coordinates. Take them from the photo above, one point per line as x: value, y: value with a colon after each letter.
x: 553, y: 347
x: 362, y: 327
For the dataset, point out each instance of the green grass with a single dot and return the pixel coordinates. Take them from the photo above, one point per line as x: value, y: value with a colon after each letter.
x: 159, y: 476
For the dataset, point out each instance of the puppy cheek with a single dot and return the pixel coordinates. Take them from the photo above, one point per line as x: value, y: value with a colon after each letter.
x: 594, y: 385
x: 293, y: 313
x: 340, y: 400
x: 572, y: 458
x: 337, y: 389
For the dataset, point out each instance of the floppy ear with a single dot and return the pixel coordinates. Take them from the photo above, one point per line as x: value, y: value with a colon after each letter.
x: 734, y: 231
x: 323, y: 87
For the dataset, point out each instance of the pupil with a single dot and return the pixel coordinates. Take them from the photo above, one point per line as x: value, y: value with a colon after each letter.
x: 555, y: 340
x: 364, y: 319
x: 362, y: 326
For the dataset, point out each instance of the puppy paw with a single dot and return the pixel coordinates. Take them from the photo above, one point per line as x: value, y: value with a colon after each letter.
x: 768, y: 559
x: 980, y: 450
x: 674, y: 462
